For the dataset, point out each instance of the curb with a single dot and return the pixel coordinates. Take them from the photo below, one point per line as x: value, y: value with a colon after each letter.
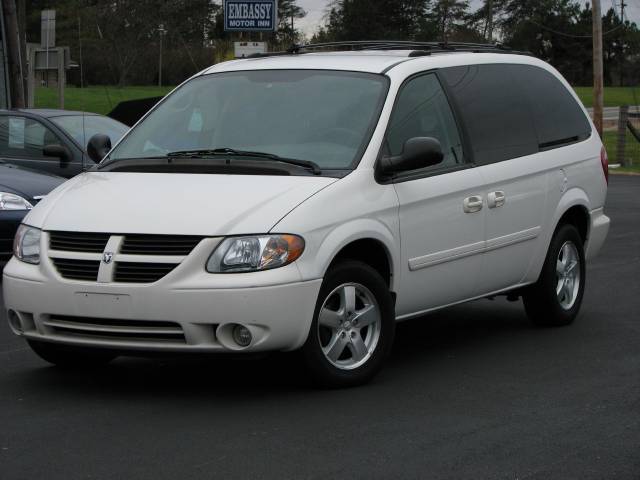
x: 629, y: 174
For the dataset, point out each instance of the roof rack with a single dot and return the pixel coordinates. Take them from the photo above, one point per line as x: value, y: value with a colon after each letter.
x: 417, y: 48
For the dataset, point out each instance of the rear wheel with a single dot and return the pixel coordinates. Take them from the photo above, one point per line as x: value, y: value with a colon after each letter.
x: 353, y: 326
x: 555, y: 299
x: 69, y: 356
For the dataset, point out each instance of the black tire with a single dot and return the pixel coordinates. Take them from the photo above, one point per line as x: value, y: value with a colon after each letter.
x: 321, y: 369
x: 541, y: 301
x: 69, y: 356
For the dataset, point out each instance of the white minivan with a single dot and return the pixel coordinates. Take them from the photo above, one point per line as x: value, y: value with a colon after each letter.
x: 310, y: 200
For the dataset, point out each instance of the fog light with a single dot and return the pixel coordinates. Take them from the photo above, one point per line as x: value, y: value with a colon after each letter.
x: 242, y: 335
x: 14, y: 322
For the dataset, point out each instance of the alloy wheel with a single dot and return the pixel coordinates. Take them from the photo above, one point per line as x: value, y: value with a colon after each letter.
x: 349, y: 324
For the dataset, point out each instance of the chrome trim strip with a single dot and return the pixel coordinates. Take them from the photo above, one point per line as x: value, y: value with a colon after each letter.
x: 457, y: 253
x: 512, y: 238
x: 445, y: 256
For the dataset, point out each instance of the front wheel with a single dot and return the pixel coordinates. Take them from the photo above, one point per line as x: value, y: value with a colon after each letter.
x: 555, y: 299
x: 353, y: 327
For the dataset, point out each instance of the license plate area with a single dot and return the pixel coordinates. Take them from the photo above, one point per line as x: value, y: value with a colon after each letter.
x: 102, y: 304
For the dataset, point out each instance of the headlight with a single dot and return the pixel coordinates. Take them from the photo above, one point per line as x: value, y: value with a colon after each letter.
x: 26, y: 245
x: 11, y: 201
x: 250, y: 254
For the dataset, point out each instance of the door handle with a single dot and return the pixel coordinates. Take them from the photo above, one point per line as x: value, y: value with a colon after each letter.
x: 496, y: 199
x: 472, y: 204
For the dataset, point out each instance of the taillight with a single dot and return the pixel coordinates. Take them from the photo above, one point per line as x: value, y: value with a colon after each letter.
x: 605, y: 164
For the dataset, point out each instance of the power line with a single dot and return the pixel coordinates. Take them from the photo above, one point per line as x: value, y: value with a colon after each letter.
x: 557, y: 32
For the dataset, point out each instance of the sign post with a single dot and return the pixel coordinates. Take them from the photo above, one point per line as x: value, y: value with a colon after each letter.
x: 250, y: 15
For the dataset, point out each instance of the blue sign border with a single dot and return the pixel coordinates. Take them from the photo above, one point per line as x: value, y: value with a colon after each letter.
x: 274, y: 17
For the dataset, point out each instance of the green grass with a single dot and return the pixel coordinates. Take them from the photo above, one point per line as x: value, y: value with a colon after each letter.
x: 94, y: 99
x: 613, y: 96
x: 632, y: 149
x: 104, y: 99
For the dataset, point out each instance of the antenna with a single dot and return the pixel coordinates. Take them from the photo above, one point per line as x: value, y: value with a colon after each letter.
x: 82, y: 92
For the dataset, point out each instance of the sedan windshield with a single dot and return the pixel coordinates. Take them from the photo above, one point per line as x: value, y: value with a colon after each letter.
x: 83, y: 127
x: 325, y: 117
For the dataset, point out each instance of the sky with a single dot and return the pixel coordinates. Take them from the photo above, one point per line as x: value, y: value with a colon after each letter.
x: 316, y: 10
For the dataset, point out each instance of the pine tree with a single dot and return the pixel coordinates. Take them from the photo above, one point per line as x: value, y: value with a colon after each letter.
x: 448, y: 15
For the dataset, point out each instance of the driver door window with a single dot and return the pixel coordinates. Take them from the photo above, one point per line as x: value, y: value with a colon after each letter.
x: 422, y: 110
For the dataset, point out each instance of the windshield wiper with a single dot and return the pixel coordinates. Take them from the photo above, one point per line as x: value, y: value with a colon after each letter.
x: 230, y: 152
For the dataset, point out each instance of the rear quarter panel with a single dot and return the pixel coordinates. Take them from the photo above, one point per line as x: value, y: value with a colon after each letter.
x: 575, y: 179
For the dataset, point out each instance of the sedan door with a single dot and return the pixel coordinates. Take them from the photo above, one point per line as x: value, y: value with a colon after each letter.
x: 441, y: 208
x: 22, y: 140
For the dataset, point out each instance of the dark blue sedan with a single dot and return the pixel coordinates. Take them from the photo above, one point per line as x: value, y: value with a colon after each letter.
x: 20, y: 189
x: 53, y: 140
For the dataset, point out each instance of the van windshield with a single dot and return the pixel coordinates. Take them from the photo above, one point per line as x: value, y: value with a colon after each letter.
x: 325, y: 117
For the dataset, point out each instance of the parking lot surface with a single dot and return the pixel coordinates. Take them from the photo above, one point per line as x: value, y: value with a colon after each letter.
x: 473, y: 391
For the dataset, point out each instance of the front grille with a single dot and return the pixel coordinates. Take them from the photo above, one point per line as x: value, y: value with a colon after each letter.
x: 134, y: 272
x: 78, y: 241
x: 159, y: 244
x: 115, y: 329
x: 77, y: 269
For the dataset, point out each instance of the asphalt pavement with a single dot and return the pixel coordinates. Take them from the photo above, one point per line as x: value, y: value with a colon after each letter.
x: 473, y: 391
x: 613, y: 113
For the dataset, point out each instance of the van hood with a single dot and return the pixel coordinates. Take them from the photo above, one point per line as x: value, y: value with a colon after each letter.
x: 177, y: 204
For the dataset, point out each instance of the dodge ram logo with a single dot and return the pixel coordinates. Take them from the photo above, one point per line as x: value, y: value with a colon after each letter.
x: 107, y: 257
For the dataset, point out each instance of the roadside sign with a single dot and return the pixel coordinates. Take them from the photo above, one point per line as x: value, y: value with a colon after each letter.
x: 48, y: 28
x: 244, y: 49
x: 250, y: 15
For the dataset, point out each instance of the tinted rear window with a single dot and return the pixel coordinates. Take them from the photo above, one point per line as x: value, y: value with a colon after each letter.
x: 495, y: 112
x: 557, y: 117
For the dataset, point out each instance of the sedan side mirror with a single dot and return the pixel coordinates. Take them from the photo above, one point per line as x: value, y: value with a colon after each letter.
x: 417, y: 152
x: 98, y: 147
x: 58, y: 151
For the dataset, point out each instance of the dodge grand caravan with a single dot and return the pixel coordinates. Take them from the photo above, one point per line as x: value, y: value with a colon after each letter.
x: 310, y: 200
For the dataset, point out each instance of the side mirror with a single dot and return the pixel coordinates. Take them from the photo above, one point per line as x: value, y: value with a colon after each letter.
x: 58, y: 151
x: 98, y: 146
x: 417, y: 152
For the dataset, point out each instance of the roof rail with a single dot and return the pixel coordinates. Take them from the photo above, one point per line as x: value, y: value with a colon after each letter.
x: 417, y: 48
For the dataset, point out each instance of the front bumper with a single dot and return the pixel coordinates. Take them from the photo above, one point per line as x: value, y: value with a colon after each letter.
x: 174, y: 315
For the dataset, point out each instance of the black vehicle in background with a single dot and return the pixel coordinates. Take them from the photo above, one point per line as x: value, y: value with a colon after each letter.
x: 20, y: 190
x: 51, y: 140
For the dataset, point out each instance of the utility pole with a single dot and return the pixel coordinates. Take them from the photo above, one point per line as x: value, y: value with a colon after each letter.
x: 161, y: 31
x: 15, y: 58
x: 490, y: 21
x: 621, y: 40
x: 22, y: 29
x: 597, y: 66
x: 293, y: 32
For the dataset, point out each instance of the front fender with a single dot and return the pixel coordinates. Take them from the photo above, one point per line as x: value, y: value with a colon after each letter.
x: 335, y: 239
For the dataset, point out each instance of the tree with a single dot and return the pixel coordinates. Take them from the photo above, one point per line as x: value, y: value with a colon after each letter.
x: 288, y: 10
x: 484, y: 19
x: 374, y: 20
x: 448, y: 15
